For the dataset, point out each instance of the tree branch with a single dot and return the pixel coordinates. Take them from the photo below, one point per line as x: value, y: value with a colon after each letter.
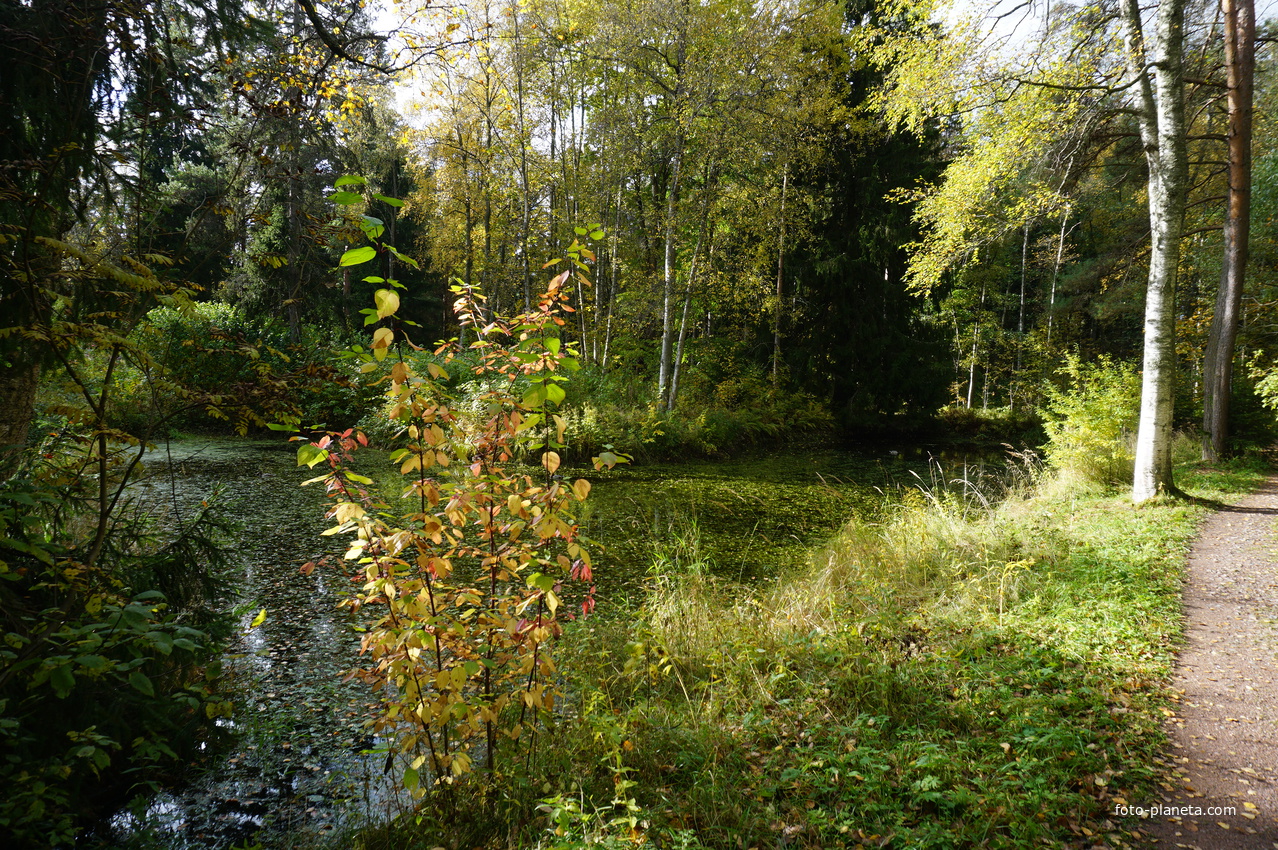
x: 321, y: 30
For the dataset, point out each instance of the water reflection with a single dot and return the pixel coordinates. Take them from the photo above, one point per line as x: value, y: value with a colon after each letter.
x: 299, y: 766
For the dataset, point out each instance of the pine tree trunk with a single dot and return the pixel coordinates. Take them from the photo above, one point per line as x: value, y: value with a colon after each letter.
x: 18, y: 382
x: 1218, y: 360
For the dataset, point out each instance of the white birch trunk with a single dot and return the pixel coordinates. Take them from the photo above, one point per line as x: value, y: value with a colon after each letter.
x: 1160, y: 78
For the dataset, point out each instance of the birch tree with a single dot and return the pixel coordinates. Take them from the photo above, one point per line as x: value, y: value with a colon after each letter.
x: 1157, y: 69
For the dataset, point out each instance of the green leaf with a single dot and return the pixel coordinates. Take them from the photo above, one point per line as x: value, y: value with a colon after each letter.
x: 20, y: 546
x: 346, y: 198
x: 141, y: 683
x: 62, y: 679
x: 372, y: 278
x: 535, y: 397
x: 394, y: 202
x: 404, y: 258
x: 259, y: 619
x: 162, y: 641
x: 309, y: 455
x: 350, y: 180
x: 552, y: 344
x: 580, y: 231
x: 555, y: 393
x: 355, y: 256
x: 596, y: 235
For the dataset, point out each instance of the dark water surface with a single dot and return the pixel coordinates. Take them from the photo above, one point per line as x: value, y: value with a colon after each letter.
x: 299, y: 769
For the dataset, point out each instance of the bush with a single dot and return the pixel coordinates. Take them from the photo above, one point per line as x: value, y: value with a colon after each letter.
x: 209, y: 364
x: 611, y: 414
x: 1253, y: 424
x: 991, y: 426
x: 108, y: 672
x: 1091, y: 420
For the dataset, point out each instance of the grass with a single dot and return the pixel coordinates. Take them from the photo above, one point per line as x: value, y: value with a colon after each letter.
x: 950, y: 675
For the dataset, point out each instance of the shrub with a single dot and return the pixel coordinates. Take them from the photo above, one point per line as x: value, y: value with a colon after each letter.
x: 1091, y: 419
x: 467, y: 578
x: 209, y: 363
x: 108, y: 672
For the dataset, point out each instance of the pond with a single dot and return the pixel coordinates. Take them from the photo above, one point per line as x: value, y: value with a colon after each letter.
x: 301, y: 764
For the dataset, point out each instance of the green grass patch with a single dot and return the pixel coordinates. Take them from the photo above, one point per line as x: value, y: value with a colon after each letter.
x: 945, y: 676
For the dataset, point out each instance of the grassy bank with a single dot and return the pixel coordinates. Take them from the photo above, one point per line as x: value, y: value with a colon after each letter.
x: 951, y: 676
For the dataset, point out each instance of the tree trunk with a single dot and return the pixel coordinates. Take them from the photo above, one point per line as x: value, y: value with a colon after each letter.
x: 18, y: 382
x: 683, y: 320
x: 776, y: 314
x: 612, y: 276
x: 1162, y: 127
x: 1056, y: 272
x: 49, y: 129
x: 668, y: 277
x: 521, y: 131
x: 1218, y: 360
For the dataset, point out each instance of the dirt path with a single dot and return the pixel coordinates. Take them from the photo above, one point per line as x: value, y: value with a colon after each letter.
x: 1224, y: 735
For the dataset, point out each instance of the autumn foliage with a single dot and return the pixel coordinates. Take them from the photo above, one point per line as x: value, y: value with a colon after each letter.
x: 463, y: 577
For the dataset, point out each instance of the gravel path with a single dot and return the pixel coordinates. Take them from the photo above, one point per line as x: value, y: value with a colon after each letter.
x: 1224, y: 734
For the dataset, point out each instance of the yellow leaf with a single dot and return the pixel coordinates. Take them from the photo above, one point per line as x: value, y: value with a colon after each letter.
x: 387, y: 301
x: 411, y: 463
x: 382, y: 338
x: 550, y: 460
x: 346, y: 511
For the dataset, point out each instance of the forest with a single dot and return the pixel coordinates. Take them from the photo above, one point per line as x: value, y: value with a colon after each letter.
x: 938, y: 324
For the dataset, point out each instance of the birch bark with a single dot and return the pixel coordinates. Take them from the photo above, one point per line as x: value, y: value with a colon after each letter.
x: 1159, y: 74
